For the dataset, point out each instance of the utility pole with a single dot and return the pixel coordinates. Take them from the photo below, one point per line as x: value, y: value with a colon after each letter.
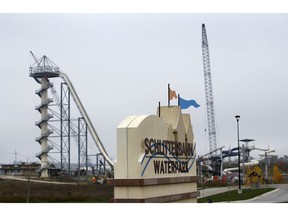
x: 15, y: 153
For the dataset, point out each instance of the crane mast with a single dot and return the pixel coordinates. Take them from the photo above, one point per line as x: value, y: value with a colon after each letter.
x: 209, y: 93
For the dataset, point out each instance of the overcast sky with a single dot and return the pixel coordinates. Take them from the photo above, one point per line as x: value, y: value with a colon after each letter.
x: 120, y: 65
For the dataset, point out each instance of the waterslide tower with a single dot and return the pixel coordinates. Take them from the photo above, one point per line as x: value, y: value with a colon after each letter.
x: 63, y: 126
x: 41, y: 71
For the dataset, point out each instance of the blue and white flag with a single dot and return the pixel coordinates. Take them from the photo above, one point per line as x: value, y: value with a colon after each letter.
x: 184, y: 104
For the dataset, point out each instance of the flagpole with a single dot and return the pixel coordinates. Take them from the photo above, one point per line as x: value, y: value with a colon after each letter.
x: 168, y: 95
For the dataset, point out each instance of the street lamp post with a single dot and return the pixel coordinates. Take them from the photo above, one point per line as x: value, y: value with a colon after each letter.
x: 239, y: 178
x: 266, y: 168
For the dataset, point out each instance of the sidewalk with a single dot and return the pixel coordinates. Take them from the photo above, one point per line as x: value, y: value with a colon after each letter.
x: 212, y: 191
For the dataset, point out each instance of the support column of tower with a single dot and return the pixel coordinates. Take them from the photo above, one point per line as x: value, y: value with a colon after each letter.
x: 82, y: 145
x: 43, y: 124
x: 41, y: 71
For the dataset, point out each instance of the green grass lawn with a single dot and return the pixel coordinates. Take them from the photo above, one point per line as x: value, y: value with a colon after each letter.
x: 234, y: 196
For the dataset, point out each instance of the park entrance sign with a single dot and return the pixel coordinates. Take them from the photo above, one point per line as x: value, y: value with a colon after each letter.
x: 156, y: 158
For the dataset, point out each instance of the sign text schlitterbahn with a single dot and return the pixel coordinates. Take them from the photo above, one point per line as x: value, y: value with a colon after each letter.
x: 168, y: 156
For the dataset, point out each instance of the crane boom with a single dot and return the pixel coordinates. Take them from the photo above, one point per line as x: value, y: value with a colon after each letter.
x: 34, y: 57
x: 209, y: 93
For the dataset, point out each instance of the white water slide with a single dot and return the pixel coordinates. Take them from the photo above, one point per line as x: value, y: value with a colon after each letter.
x: 251, y: 163
x: 86, y: 118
